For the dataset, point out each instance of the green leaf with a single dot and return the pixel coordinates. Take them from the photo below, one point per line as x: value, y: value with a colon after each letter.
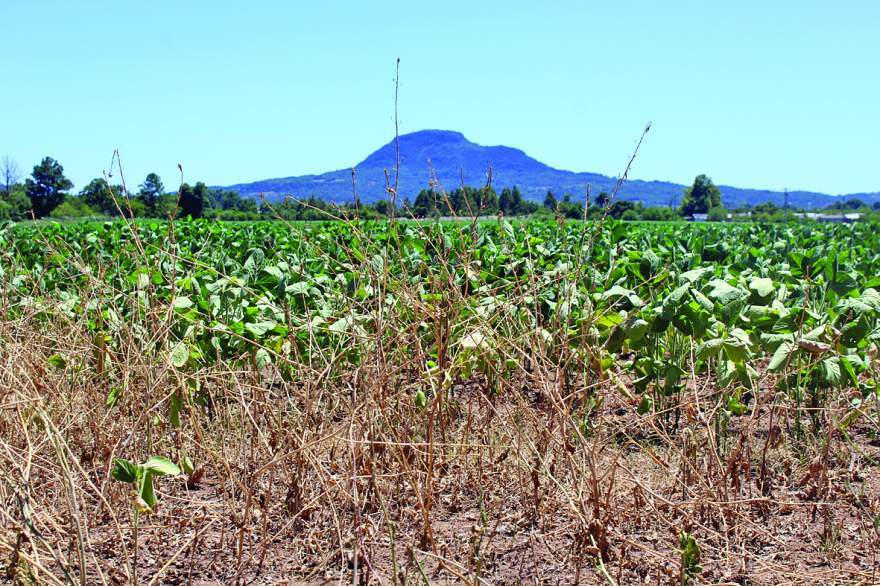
x: 830, y: 369
x: 260, y: 328
x: 736, y: 350
x: 850, y: 371
x: 474, y: 340
x: 174, y: 407
x: 770, y: 342
x: 341, y: 325
x: 262, y: 358
x: 182, y: 303
x: 723, y: 293
x: 673, y: 301
x: 854, y: 332
x: 180, y: 354
x: 254, y: 259
x: 761, y: 289
x: 695, y: 275
x: 645, y: 405
x: 649, y: 264
x: 275, y: 272
x: 57, y: 361
x: 508, y: 229
x: 112, y: 396
x: 622, y: 297
x: 781, y: 356
x: 146, y: 491
x: 300, y: 288
x: 635, y: 329
x: 709, y: 348
x: 123, y: 470
x: 735, y: 406
x: 161, y: 466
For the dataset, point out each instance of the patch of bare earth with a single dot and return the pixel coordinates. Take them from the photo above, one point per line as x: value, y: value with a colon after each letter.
x: 347, y: 481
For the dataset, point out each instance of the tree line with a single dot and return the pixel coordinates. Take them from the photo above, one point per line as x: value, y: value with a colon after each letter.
x: 46, y: 193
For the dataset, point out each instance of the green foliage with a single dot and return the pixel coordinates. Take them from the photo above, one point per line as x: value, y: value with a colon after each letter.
x: 193, y: 200
x: 700, y: 197
x: 47, y: 187
x: 104, y: 198
x: 728, y: 300
x: 717, y: 214
x: 15, y: 205
x: 141, y: 475
x: 621, y: 207
x: 73, y: 208
x: 149, y: 193
x: 570, y: 209
x: 690, y: 557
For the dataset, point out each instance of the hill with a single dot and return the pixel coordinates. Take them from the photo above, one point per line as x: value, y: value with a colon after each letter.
x: 452, y: 156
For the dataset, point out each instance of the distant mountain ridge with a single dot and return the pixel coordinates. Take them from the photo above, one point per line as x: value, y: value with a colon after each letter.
x: 453, y: 157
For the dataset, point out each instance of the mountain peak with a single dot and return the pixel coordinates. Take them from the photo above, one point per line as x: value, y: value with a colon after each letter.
x: 433, y: 136
x: 417, y: 147
x: 450, y: 158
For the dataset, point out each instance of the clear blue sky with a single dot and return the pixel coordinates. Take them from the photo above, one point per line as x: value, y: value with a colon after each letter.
x: 755, y: 94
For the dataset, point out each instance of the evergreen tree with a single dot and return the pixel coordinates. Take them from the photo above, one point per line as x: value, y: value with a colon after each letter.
x: 47, y: 187
x: 505, y: 202
x: 700, y: 197
x: 550, y: 201
x: 150, y: 191
x: 424, y: 204
x: 488, y: 200
x: 516, y: 203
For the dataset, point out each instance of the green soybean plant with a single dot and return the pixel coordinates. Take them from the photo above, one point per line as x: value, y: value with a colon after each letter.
x: 144, y: 497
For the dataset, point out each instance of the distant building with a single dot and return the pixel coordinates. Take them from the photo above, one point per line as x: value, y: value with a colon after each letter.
x: 836, y: 218
x: 840, y: 218
x: 699, y: 217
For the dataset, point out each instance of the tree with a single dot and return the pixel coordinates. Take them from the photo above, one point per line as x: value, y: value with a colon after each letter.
x: 9, y: 173
x: 505, y: 202
x: 488, y: 200
x: 48, y: 187
x: 660, y: 213
x: 193, y: 199
x: 619, y: 208
x: 849, y: 204
x: 73, y: 207
x: 717, y: 214
x: 150, y: 191
x: 570, y: 209
x: 425, y: 204
x: 99, y: 195
x: 550, y: 201
x: 700, y: 197
x: 767, y: 207
x: 15, y: 205
x: 516, y: 201
x: 602, y: 199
